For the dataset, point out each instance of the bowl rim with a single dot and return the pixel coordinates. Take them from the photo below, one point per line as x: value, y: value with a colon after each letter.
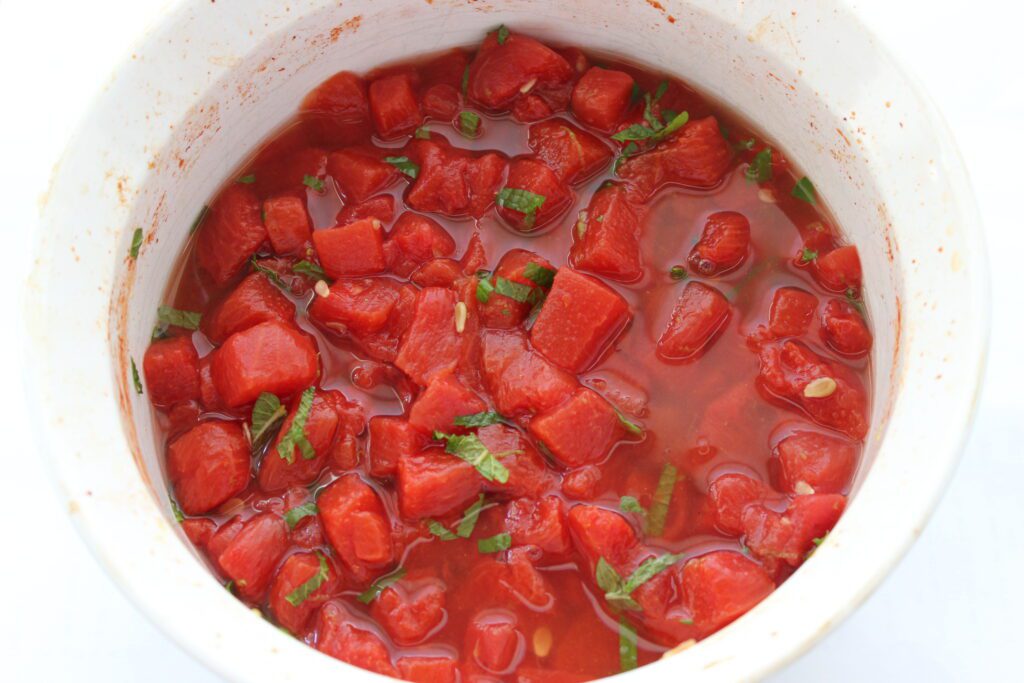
x: 90, y: 521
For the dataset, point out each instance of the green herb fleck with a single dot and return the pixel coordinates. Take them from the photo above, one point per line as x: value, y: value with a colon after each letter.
x: 300, y: 512
x: 635, y: 94
x: 404, y: 165
x: 422, y: 133
x: 248, y: 179
x: 629, y: 425
x: 300, y: 594
x: 309, y: 269
x: 295, y: 436
x: 230, y: 586
x: 744, y: 145
x: 760, y: 169
x: 484, y: 288
x: 516, y: 290
x: 267, y: 413
x: 480, y: 419
x: 542, y: 276
x: 199, y: 219
x: 469, y: 448
x: 469, y: 123
x: 818, y: 541
x: 502, y: 34
x: 371, y: 593
x: 470, y: 517
x: 168, y: 316
x: 313, y: 183
x: 441, y: 531
x: 677, y: 273
x: 627, y: 646
x: 136, y: 243
x: 135, y: 378
x: 804, y: 191
x: 494, y: 544
x: 631, y: 504
x: 523, y: 201
x: 662, y: 499
x: 270, y: 273
x: 179, y: 516
x: 854, y: 300
x: 686, y: 622
x: 807, y: 255
x: 617, y: 591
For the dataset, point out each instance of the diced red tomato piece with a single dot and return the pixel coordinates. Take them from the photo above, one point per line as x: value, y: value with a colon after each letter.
x: 381, y: 207
x: 453, y: 182
x: 582, y: 483
x: 414, y: 240
x: 824, y: 463
x: 294, y: 572
x: 442, y: 101
x: 270, y: 357
x: 276, y: 473
x: 431, y: 345
x: 787, y: 368
x: 341, y: 636
x: 722, y: 586
x: 541, y: 523
x: 571, y: 152
x: 534, y: 177
x: 700, y: 314
x: 351, y: 250
x: 495, y: 641
x: 391, y: 439
x: 723, y: 244
x: 230, y: 233
x: 501, y: 311
x: 792, y: 311
x: 731, y: 494
x: 844, y: 330
x: 839, y: 270
x: 444, y: 399
x: 360, y: 172
x: 580, y: 431
x: 199, y: 531
x: 207, y: 465
x: 530, y: 108
x: 601, y: 97
x: 521, y: 380
x: 410, y: 611
x: 393, y: 106
x: 339, y: 110
x: 253, y: 301
x: 428, y: 669
x: 433, y: 483
x: 528, y: 474
x: 697, y: 156
x: 580, y: 318
x: 251, y: 557
x: 357, y: 526
x: 171, y: 367
x: 598, y: 532
x: 607, y: 242
x: 789, y: 536
x: 287, y: 223
x: 500, y: 73
x: 361, y: 306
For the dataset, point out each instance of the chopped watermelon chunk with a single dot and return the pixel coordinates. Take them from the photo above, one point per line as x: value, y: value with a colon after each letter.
x: 287, y: 223
x: 360, y: 172
x: 391, y: 439
x: 519, y: 379
x: 255, y: 300
x: 207, y: 465
x: 251, y: 556
x: 432, y: 345
x: 791, y: 312
x: 502, y: 311
x: 342, y: 636
x: 601, y: 97
x: 844, y: 330
x: 410, y: 611
x: 294, y: 572
x: 789, y: 536
x: 815, y: 462
x: 393, y: 106
x: 722, y: 586
x: 571, y: 152
x: 433, y: 483
x: 357, y: 526
x: 581, y: 431
x: 414, y: 240
x: 171, y: 368
x: 699, y: 315
x: 530, y: 182
x: 444, y: 399
x: 338, y: 110
x: 270, y: 357
x: 501, y: 73
x: 607, y: 242
x: 351, y: 250
x: 697, y: 156
x: 230, y: 233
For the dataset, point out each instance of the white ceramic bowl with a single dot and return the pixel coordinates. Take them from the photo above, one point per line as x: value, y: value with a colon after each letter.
x: 205, y: 86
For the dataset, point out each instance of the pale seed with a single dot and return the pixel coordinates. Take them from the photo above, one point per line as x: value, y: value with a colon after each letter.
x: 376, y: 224
x: 542, y: 640
x: 460, y: 316
x: 528, y: 86
x: 581, y: 224
x: 823, y: 387
x: 322, y: 289
x: 802, y: 488
x: 767, y: 195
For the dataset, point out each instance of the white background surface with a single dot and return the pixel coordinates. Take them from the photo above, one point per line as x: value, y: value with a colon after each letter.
x: 951, y: 610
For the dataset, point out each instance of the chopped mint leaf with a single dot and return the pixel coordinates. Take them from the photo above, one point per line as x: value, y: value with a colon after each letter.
x: 804, y: 191
x: 247, y: 179
x: 300, y: 594
x: 470, y: 517
x: 179, y: 516
x: 627, y: 646
x: 629, y: 425
x: 484, y: 288
x: 807, y: 255
x: 480, y: 419
x: 267, y: 413
x: 744, y: 145
x: 168, y: 316
x: 760, y: 169
x: 295, y: 437
x: 371, y: 593
x: 440, y: 531
x: 422, y: 133
x: 662, y: 499
x: 540, y: 275
x: 677, y: 273
x: 300, y: 512
x: 502, y: 34
x: 309, y: 269
x: 854, y: 300
x: 313, y: 183
x: 523, y: 201
x: 136, y: 380
x: 515, y: 290
x: 469, y: 123
x: 494, y: 544
x: 631, y: 504
x: 136, y: 243
x: 472, y: 450
x: 403, y: 164
x: 617, y: 591
x: 270, y: 273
